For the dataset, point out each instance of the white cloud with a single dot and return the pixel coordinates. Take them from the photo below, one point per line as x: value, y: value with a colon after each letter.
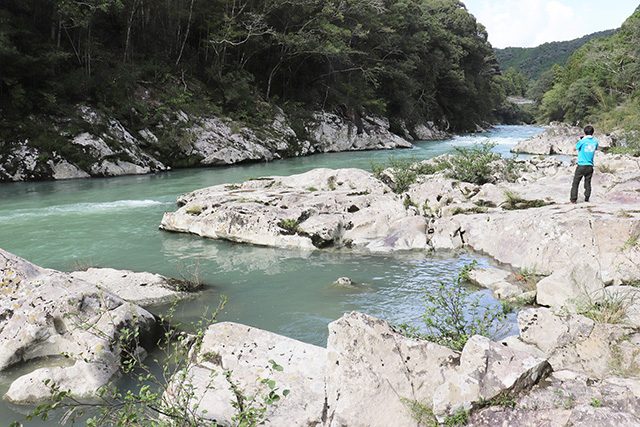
x: 526, y: 23
x: 529, y: 23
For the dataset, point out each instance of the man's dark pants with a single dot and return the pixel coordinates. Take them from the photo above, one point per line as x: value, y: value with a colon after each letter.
x: 587, y: 173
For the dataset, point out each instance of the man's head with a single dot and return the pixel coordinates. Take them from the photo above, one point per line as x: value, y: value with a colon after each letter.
x: 588, y: 130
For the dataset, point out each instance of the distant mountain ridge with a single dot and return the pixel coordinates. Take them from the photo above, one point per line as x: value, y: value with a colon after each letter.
x: 533, y: 61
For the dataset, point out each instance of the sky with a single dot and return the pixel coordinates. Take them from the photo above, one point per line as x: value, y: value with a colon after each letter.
x: 530, y: 23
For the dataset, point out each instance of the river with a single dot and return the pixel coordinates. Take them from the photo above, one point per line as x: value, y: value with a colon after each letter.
x: 114, y: 222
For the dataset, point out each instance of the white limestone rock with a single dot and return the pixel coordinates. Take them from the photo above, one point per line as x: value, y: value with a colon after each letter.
x: 372, y: 368
x: 141, y: 288
x: 48, y: 313
x: 246, y: 353
x: 488, y: 277
x: 487, y: 369
x: 318, y: 209
x: 560, y: 138
x: 569, y: 287
x: 568, y: 398
x: 66, y: 170
x: 333, y: 133
x: 577, y: 343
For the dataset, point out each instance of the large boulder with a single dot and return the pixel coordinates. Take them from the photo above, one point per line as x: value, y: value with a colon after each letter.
x: 369, y: 375
x: 569, y: 287
x: 487, y: 370
x: 235, y: 363
x: 373, y: 372
x: 46, y: 313
x: 333, y: 133
x: 318, y: 209
x: 549, y: 238
x: 559, y: 138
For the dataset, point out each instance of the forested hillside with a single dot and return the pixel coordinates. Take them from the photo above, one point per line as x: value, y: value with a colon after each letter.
x: 533, y: 61
x: 410, y: 60
x: 599, y: 84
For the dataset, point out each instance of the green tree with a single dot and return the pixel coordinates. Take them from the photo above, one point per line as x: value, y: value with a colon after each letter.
x: 515, y: 82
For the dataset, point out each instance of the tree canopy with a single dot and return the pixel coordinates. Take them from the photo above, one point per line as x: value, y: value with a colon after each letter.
x: 600, y: 82
x: 534, y: 61
x: 411, y: 60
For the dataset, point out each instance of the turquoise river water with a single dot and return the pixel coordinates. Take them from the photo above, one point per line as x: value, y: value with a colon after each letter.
x: 114, y: 223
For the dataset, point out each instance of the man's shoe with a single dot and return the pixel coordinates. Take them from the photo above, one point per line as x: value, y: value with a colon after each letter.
x: 572, y: 203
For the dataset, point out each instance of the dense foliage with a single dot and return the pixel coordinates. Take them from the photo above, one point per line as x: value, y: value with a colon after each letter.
x: 411, y: 60
x: 534, y: 61
x: 599, y: 84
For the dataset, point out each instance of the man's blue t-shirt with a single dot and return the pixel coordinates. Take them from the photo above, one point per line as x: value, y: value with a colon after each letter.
x: 586, y: 150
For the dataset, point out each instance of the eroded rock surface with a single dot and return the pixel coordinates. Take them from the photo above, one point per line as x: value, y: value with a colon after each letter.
x: 141, y: 288
x: 527, y: 224
x: 48, y: 313
x: 369, y: 374
x: 110, y: 149
x: 567, y: 398
x: 318, y: 209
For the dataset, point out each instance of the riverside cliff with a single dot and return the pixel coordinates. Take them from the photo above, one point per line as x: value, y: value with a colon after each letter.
x: 105, y: 147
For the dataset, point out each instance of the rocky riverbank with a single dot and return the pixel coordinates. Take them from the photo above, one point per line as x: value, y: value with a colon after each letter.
x: 100, y: 146
x: 527, y: 224
x: 559, y: 138
x: 585, y: 315
x: 574, y: 361
x: 563, y: 368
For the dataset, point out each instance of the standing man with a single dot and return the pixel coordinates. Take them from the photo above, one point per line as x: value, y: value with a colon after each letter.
x: 586, y: 149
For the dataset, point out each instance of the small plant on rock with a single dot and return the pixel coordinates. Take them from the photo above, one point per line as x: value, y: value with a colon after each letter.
x: 421, y: 413
x: 194, y: 210
x: 606, y: 307
x: 529, y: 278
x: 459, y: 418
x: 514, y: 201
x: 190, y: 271
x: 630, y: 243
x: 595, y: 403
x: 405, y: 171
x: 290, y: 226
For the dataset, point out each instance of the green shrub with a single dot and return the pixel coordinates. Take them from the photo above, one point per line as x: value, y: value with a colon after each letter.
x: 453, y: 314
x: 405, y: 171
x: 628, y: 144
x: 472, y: 164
